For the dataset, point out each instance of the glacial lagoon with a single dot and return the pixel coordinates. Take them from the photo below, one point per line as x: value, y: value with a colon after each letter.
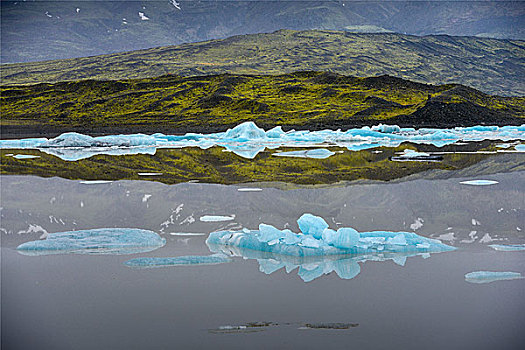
x: 180, y: 289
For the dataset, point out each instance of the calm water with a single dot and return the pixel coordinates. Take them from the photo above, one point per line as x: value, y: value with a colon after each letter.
x: 88, y: 301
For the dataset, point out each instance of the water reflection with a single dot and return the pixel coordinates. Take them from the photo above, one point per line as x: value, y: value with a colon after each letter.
x: 310, y: 268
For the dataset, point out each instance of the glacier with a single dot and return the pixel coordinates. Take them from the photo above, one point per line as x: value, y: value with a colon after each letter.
x: 178, y: 261
x: 116, y: 241
x: 491, y: 276
x: 317, y: 239
x: 247, y: 140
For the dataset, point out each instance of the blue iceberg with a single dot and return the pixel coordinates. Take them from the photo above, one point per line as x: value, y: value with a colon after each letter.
x: 491, y: 276
x: 178, y: 261
x: 247, y: 140
x: 316, y: 239
x: 98, y: 241
x: 508, y: 247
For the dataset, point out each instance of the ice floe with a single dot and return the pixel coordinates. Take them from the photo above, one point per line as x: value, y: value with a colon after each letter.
x: 249, y: 189
x: 317, y: 239
x: 479, y: 182
x: 149, y: 174
x: 95, y: 182
x: 247, y: 140
x: 97, y: 241
x: 491, y: 276
x: 508, y: 247
x: 179, y: 261
x: 216, y: 218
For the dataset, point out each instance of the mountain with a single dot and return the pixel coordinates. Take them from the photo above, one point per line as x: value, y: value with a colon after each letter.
x: 491, y: 65
x: 44, y: 30
x: 312, y: 100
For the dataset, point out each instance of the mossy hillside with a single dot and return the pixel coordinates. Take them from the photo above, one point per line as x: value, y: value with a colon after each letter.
x: 214, y: 165
x: 490, y: 65
x: 311, y: 100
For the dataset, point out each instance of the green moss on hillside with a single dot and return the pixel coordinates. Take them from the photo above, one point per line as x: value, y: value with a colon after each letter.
x: 305, y: 99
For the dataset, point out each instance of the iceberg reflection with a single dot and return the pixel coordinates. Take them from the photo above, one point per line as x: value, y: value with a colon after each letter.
x: 310, y: 268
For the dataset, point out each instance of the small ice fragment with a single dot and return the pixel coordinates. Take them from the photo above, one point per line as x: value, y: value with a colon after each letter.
x: 447, y: 236
x: 508, y: 247
x: 491, y: 276
x: 216, y: 218
x: 249, y: 189
x: 146, y: 197
x: 25, y: 156
x: 186, y: 234
x: 479, y: 182
x: 95, y: 182
x: 77, y: 9
x: 179, y: 261
x: 143, y: 16
x: 149, y: 174
x: 400, y: 260
x: 312, y: 225
x: 97, y: 241
x: 475, y: 222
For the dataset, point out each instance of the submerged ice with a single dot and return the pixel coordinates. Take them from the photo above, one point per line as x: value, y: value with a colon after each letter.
x: 178, y: 261
x: 97, y: 241
x: 491, y: 276
x: 317, y: 239
x: 247, y: 140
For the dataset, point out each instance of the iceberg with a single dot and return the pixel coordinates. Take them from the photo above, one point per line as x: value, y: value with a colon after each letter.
x: 178, y: 261
x: 97, y: 241
x: 491, y: 276
x: 319, y: 153
x: 508, y: 247
x: 316, y: 239
x: 247, y: 140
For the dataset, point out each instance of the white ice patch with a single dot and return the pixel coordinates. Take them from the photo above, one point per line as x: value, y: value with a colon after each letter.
x: 146, y: 197
x: 475, y: 222
x: 188, y: 221
x: 149, y: 174
x: 48, y: 15
x: 486, y: 239
x: 216, y: 218
x: 447, y: 237
x: 417, y: 224
x: 33, y: 228
x: 95, y: 182
x: 175, y: 4
x: 249, y: 189
x: 143, y: 16
x: 186, y: 234
x: 479, y: 182
x: 472, y: 236
x: 77, y: 9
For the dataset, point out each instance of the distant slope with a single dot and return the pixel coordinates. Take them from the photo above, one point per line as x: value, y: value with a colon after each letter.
x: 44, y: 30
x: 310, y: 100
x: 493, y: 66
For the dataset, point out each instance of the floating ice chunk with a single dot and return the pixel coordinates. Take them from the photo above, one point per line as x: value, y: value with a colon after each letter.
x: 216, y: 218
x: 345, y: 238
x: 312, y: 225
x: 249, y: 189
x: 269, y: 233
x: 146, y: 198
x: 479, y: 182
x: 149, y: 174
x: 95, y: 182
x: 486, y: 239
x: 329, y: 242
x: 386, y: 128
x: 491, y: 276
x: 320, y: 153
x: 245, y: 131
x: 97, y: 241
x: 178, y: 261
x: 143, y: 16
x: 25, y: 156
x: 520, y: 148
x: 417, y: 224
x: 175, y: 4
x: 508, y: 247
